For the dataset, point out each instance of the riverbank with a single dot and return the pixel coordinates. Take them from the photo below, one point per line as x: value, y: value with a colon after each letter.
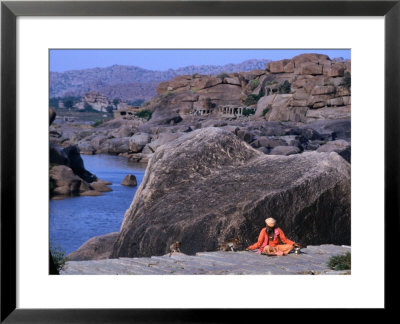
x: 313, y: 261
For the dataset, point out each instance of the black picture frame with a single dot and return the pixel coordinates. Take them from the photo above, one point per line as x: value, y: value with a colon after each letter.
x: 10, y: 10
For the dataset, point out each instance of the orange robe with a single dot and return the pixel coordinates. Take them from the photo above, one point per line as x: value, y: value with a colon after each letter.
x: 275, y: 242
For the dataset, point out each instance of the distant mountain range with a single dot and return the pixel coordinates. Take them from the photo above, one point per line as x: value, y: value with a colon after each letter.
x: 131, y: 83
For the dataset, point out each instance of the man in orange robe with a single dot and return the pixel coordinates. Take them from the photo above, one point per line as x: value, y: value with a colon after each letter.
x: 270, y: 238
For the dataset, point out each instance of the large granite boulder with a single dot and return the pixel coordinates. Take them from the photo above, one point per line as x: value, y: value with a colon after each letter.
x: 97, y: 248
x: 115, y: 146
x: 264, y: 141
x: 311, y: 57
x: 138, y: 141
x: 285, y: 150
x: 129, y: 180
x: 341, y: 147
x: 209, y: 186
x: 65, y: 182
x: 162, y: 139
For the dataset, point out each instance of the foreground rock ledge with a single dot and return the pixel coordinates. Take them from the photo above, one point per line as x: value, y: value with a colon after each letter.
x: 313, y: 261
x: 208, y: 186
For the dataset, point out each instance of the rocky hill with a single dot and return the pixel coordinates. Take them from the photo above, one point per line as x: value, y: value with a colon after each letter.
x: 131, y: 82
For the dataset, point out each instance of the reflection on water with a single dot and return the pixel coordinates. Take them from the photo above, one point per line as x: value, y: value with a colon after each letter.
x: 75, y: 220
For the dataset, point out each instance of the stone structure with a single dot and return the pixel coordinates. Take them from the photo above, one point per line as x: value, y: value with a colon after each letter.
x: 202, y: 111
x: 230, y: 110
x: 127, y: 113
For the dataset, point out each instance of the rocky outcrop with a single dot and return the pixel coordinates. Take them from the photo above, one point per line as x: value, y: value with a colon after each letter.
x: 305, y: 88
x: 208, y: 186
x: 97, y: 248
x: 68, y: 176
x: 138, y: 141
x: 66, y: 183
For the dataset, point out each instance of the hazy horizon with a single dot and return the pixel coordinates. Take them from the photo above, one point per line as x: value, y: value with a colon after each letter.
x: 62, y: 60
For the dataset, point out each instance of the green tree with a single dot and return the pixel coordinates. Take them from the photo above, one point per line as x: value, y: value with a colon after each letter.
x: 68, y: 104
x: 285, y: 87
x: 346, y: 82
x: 109, y: 109
x: 222, y: 75
x: 265, y: 111
x: 252, y: 99
x: 248, y: 112
x: 53, y: 102
x: 254, y: 83
x: 144, y: 114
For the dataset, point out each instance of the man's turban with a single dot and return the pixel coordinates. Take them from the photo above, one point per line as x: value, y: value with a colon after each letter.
x: 270, y: 222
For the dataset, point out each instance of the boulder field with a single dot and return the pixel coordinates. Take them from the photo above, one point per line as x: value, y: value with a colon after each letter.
x: 208, y: 186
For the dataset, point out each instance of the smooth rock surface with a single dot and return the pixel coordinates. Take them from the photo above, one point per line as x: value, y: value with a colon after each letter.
x: 129, y: 180
x: 97, y: 248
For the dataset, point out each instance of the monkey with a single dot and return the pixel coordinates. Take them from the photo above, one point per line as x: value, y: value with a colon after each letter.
x: 229, y: 245
x: 174, y: 247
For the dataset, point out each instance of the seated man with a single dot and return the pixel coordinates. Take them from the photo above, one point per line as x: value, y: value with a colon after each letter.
x: 270, y: 238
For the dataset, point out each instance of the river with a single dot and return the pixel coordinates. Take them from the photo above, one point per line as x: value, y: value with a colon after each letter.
x: 75, y: 220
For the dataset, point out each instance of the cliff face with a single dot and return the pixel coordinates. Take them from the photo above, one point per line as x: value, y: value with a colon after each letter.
x: 306, y: 88
x: 209, y: 186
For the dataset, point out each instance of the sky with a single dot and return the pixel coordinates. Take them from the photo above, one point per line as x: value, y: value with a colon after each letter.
x: 72, y: 59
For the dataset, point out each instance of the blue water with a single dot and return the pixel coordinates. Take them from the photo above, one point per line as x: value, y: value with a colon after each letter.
x: 75, y: 220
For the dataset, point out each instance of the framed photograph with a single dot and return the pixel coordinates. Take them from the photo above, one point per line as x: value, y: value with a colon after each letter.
x: 358, y: 46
